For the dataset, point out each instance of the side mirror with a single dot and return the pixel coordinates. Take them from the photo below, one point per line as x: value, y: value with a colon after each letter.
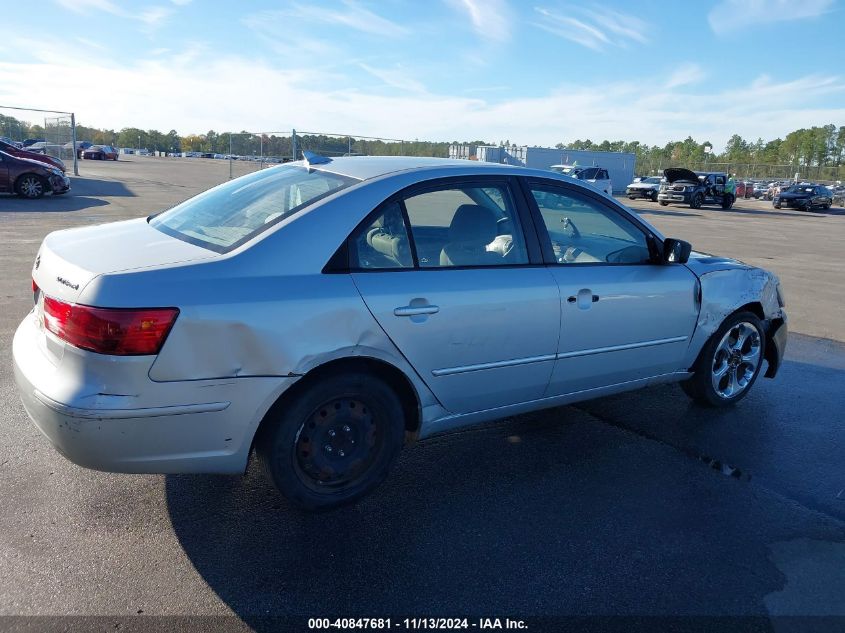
x: 676, y: 251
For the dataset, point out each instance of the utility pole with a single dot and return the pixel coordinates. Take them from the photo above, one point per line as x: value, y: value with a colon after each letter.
x: 73, y: 141
x: 293, y: 142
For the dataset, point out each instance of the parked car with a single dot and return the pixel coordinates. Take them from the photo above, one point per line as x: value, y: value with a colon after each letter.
x: 596, y: 176
x: 81, y: 146
x: 760, y: 190
x: 804, y: 196
x: 694, y: 188
x: 42, y: 147
x: 644, y: 188
x: 100, y: 152
x: 31, y: 141
x: 327, y: 311
x: 50, y: 161
x: 744, y: 189
x: 13, y: 143
x: 30, y: 178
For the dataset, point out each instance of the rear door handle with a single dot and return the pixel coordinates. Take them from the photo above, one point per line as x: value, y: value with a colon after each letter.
x: 408, y: 311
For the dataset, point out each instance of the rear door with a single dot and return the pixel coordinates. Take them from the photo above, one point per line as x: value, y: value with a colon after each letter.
x: 454, y: 276
x: 623, y: 317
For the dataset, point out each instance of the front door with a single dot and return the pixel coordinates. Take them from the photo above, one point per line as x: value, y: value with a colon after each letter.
x: 623, y: 317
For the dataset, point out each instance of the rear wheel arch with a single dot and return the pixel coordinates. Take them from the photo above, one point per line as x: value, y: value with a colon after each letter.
x: 394, y: 377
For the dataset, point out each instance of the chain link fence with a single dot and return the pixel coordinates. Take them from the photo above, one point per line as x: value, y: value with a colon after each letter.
x: 44, y: 131
x: 756, y: 171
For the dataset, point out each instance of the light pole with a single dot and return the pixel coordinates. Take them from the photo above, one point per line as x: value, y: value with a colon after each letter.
x: 139, y: 145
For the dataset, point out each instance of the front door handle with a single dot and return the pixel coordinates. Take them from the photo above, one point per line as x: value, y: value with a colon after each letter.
x: 409, y: 311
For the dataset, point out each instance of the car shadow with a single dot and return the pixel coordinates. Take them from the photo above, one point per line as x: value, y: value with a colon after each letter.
x: 50, y: 204
x: 85, y: 193
x: 772, y: 212
x: 551, y: 513
x: 98, y: 187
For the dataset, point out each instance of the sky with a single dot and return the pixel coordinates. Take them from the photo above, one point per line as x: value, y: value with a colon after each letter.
x: 532, y: 72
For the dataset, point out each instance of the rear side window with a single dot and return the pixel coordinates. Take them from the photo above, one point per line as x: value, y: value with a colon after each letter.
x: 446, y: 227
x: 230, y: 214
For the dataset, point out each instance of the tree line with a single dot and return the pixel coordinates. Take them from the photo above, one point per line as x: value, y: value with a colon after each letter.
x: 818, y: 151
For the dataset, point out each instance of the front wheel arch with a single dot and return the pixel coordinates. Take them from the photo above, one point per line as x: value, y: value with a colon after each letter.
x: 696, y: 387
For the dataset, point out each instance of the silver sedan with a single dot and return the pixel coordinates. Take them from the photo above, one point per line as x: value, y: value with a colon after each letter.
x: 326, y: 312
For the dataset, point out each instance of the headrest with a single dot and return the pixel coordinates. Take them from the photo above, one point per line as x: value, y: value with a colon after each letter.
x: 473, y: 224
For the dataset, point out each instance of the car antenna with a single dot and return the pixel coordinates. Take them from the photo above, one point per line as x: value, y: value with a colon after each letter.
x: 315, y: 159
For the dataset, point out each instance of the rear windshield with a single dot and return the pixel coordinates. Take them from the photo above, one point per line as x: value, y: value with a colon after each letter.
x: 230, y: 214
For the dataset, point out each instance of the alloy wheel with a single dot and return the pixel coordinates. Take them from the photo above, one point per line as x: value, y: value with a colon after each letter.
x: 736, y: 360
x: 31, y: 187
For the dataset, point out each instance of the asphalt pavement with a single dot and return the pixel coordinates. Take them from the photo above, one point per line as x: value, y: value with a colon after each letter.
x: 638, y: 505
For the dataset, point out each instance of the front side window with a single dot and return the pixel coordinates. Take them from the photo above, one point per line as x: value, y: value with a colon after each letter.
x: 230, y: 214
x: 582, y: 231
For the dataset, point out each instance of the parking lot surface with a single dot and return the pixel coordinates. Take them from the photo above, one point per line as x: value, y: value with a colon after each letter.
x: 640, y: 504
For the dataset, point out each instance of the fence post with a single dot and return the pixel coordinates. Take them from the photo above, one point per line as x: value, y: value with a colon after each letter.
x: 230, y: 155
x: 73, y: 143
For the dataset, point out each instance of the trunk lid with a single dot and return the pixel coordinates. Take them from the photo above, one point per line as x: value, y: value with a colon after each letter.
x: 68, y: 260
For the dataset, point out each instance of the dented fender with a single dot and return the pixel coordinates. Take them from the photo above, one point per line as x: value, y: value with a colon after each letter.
x: 723, y: 292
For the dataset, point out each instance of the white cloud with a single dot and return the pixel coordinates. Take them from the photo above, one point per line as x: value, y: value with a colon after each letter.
x: 686, y: 74
x: 490, y: 18
x: 593, y: 27
x: 352, y: 16
x: 149, y: 17
x: 736, y: 15
x: 395, y: 78
x: 173, y: 91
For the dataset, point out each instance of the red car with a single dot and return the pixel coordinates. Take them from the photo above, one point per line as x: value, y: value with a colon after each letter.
x: 30, y: 178
x: 50, y: 161
x: 100, y: 152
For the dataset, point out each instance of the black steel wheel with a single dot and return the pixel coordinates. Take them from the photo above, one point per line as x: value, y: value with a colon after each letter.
x: 334, y: 442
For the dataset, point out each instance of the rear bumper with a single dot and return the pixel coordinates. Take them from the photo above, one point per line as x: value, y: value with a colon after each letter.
x: 174, y: 427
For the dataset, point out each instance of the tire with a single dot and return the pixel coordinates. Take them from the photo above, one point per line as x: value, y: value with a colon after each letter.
x: 31, y: 186
x: 827, y: 206
x: 776, y: 206
x: 355, y: 413
x: 697, y: 201
x: 663, y: 203
x: 727, y: 202
x: 736, y: 351
x: 632, y: 197
x: 808, y: 206
x: 654, y: 196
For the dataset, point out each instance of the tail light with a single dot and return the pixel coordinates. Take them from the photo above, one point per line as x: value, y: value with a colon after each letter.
x: 116, y: 331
